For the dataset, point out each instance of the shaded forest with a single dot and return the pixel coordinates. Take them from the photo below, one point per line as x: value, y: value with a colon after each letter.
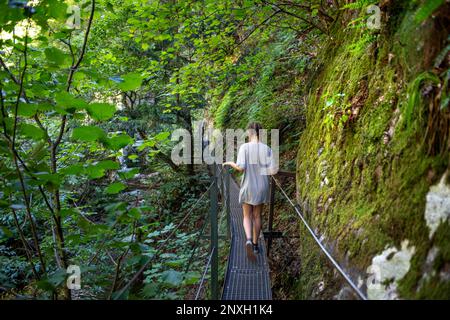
x: 91, y: 92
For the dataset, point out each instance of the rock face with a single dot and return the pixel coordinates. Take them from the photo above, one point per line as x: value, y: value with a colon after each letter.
x: 376, y: 165
x: 437, y: 208
x: 386, y: 270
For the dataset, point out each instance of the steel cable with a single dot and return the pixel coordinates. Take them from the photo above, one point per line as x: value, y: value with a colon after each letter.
x: 322, y: 247
x: 204, y: 273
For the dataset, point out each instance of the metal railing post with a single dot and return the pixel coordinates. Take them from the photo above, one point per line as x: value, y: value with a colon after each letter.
x: 222, y: 191
x: 228, y: 205
x: 214, y: 247
x: 271, y: 209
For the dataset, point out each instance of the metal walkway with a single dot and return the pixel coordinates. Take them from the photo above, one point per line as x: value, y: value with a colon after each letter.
x: 244, y: 280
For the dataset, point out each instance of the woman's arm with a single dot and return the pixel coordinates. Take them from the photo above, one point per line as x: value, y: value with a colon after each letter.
x: 233, y: 165
x: 240, y: 159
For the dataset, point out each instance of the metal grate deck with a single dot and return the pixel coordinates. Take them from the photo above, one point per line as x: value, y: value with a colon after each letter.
x: 244, y: 280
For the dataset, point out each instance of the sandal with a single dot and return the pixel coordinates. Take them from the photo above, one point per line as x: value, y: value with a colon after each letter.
x: 249, y: 247
x: 255, y: 248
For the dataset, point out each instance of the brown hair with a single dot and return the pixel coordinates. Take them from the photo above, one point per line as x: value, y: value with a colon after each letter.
x: 256, y: 127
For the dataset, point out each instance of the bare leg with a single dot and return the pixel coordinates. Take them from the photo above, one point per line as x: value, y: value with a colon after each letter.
x: 257, y: 210
x: 248, y: 215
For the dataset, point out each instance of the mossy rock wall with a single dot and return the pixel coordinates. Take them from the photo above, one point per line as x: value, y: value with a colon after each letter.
x: 365, y: 163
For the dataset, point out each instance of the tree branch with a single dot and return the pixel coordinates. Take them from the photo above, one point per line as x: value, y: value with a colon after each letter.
x: 256, y: 28
x: 24, y: 95
x: 25, y: 245
x: 320, y: 10
x: 72, y: 71
x: 12, y: 147
x: 275, y: 6
x: 21, y: 81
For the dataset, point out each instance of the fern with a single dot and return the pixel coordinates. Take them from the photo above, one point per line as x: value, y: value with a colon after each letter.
x: 414, y: 94
x: 358, y: 4
x: 427, y: 9
x: 359, y: 47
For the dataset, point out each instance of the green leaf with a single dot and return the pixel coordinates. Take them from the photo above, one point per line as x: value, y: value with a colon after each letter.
x: 149, y: 143
x: 172, y: 278
x: 4, y: 204
x: 98, y: 170
x: 47, y: 107
x: 427, y: 9
x: 27, y: 109
x: 31, y: 131
x: 118, y: 142
x: 53, y: 281
x: 45, y: 285
x: 135, y: 213
x: 162, y: 136
x: 444, y: 103
x: 175, y: 263
x: 88, y: 134
x: 68, y: 102
x: 56, y: 9
x: 57, y: 57
x: 58, y: 277
x: 108, y: 165
x: 115, y: 188
x: 150, y: 290
x: 115, y: 207
x: 191, y: 278
x: 110, y: 6
x: 128, y: 173
x: 131, y: 81
x: 69, y: 212
x: 46, y: 177
x: 94, y: 172
x: 101, y: 111
x: 5, y: 232
x: 75, y: 169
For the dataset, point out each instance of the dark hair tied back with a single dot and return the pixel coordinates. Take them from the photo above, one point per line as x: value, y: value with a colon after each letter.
x: 256, y: 126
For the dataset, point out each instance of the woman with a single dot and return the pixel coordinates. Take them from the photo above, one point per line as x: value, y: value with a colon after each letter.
x: 256, y: 161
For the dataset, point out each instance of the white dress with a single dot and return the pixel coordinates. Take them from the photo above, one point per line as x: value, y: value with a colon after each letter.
x: 256, y: 158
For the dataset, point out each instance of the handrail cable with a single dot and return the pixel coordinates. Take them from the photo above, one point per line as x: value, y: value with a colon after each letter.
x: 204, y: 273
x: 197, y: 243
x: 195, y: 246
x: 336, y: 265
x: 161, y: 246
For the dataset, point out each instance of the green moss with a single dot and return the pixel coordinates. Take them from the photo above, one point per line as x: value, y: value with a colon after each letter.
x: 377, y: 175
x: 425, y: 284
x: 223, y: 110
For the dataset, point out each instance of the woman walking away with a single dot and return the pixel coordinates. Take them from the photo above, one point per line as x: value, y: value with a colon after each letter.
x: 255, y: 159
